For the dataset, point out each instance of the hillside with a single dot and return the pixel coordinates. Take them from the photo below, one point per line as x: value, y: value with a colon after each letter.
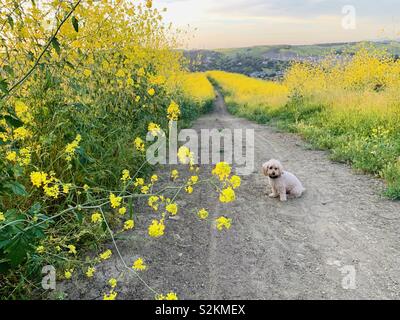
x: 270, y: 62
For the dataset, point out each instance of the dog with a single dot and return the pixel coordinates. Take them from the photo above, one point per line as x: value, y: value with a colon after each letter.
x: 284, y: 184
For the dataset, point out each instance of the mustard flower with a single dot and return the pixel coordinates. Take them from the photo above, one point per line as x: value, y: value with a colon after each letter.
x: 112, y: 295
x: 222, y: 170
x: 72, y: 249
x: 156, y: 229
x: 128, y: 225
x: 139, y: 265
x: 113, y: 282
x: 203, y: 214
x: 106, y: 255
x: 97, y: 217
x: 115, y: 201
x: 125, y: 175
x: 223, y: 222
x: 227, y: 195
x: 90, y: 272
x: 172, y: 208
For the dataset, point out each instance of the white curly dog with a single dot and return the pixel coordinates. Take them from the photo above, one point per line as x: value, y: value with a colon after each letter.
x: 284, y: 184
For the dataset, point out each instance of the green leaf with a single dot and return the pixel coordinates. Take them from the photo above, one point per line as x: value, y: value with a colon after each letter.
x: 16, y: 188
x: 4, y: 86
x: 13, y: 121
x: 56, y: 45
x: 75, y: 23
x: 10, y: 21
x: 17, y: 250
x: 8, y: 69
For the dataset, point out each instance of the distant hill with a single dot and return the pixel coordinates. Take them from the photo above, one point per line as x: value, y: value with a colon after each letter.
x: 270, y: 62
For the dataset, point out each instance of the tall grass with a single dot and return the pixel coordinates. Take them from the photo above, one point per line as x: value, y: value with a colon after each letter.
x: 347, y: 105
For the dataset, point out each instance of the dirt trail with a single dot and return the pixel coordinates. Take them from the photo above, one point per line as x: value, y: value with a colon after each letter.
x: 274, y: 250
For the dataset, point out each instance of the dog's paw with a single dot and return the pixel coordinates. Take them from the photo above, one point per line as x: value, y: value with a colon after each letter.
x: 273, y: 195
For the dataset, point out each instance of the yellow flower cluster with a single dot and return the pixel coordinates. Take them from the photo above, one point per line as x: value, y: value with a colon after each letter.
x: 223, y: 222
x: 71, y: 148
x: 222, y: 170
x: 154, y: 129
x: 139, y: 265
x: 51, y: 185
x: 203, y: 214
x: 115, y: 201
x: 173, y: 111
x: 156, y: 229
x: 168, y: 296
x: 139, y: 144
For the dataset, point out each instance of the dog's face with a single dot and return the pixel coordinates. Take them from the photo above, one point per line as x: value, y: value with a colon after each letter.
x: 273, y: 169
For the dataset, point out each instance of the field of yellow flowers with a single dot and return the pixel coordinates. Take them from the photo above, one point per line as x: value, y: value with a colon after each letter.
x: 81, y: 86
x: 347, y: 105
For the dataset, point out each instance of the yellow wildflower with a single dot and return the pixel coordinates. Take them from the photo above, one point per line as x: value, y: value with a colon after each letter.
x: 40, y: 249
x: 145, y: 189
x: 11, y: 156
x: 66, y: 188
x: 68, y: 274
x: 122, y: 211
x: 203, y: 214
x: 193, y: 179
x: 128, y: 225
x: 51, y: 191
x: 227, y: 195
x: 90, y: 272
x: 222, y: 170
x: 106, y: 254
x: 139, y: 182
x: 173, y: 111
x: 154, y: 178
x: 152, y: 202
x: 156, y: 229
x: 174, y: 174
x: 97, y: 217
x: 71, y: 148
x: 154, y: 129
x: 235, y: 182
x: 38, y: 178
x: 139, y: 144
x: 2, y: 217
x: 21, y: 133
x: 189, y: 189
x: 72, y: 249
x: 111, y: 296
x: 120, y: 73
x: 171, y: 296
x: 184, y: 155
x: 151, y: 92
x: 139, y: 265
x: 87, y: 73
x: 113, y: 282
x: 115, y: 201
x: 125, y: 175
x: 223, y: 222
x: 172, y: 208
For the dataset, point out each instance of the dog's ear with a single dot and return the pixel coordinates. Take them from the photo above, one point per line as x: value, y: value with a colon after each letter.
x: 280, y: 166
x: 265, y: 168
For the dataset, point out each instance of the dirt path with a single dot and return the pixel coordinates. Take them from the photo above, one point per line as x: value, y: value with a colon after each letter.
x: 274, y: 250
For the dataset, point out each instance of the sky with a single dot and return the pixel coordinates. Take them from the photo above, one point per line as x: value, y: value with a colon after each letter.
x: 215, y: 24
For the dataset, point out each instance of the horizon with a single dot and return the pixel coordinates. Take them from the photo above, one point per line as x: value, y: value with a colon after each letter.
x: 212, y: 25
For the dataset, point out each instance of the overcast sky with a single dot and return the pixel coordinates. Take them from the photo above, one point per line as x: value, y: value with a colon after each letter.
x: 238, y: 23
